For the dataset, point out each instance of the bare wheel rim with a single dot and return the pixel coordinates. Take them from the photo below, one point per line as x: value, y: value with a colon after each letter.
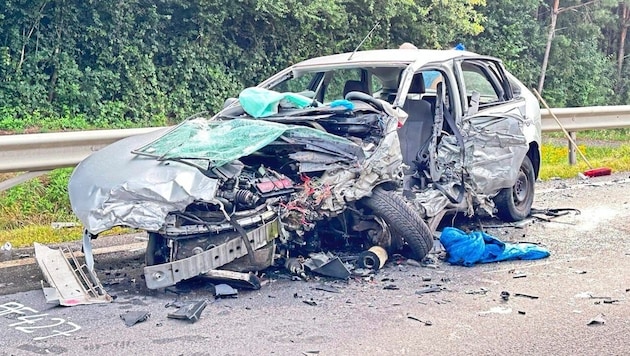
x: 521, y: 191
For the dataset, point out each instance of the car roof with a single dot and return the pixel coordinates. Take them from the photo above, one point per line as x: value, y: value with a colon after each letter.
x: 385, y: 56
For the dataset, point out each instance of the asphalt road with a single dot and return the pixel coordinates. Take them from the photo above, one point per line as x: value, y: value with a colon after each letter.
x: 586, y: 278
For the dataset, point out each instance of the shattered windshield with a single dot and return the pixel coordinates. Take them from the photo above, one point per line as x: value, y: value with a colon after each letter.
x: 220, y: 142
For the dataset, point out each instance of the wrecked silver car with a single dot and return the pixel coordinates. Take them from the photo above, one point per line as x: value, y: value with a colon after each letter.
x: 350, y: 150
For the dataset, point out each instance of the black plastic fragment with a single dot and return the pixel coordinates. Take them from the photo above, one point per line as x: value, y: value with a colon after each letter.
x: 525, y: 295
x: 191, y: 311
x: 225, y: 291
x: 430, y: 289
x: 327, y: 288
x: 133, y: 317
x: 598, y: 320
x: 426, y: 322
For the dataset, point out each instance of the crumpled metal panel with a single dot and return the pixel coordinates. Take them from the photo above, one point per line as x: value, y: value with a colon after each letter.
x: 499, y: 147
x: 494, y: 149
x: 114, y: 187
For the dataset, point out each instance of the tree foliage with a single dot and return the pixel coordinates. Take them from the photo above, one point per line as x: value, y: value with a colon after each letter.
x: 146, y: 62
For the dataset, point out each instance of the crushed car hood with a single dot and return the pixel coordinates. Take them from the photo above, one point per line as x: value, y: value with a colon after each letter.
x: 137, y: 181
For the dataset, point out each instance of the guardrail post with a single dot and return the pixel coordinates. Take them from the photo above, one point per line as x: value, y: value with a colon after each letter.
x: 572, y: 148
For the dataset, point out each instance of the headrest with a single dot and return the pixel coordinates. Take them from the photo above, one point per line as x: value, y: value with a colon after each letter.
x: 354, y: 85
x: 417, y: 84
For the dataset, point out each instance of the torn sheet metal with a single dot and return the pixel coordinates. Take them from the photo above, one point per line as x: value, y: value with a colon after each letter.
x: 132, y: 318
x: 328, y: 265
x: 499, y: 147
x: 235, y: 279
x: 191, y: 311
x: 71, y: 283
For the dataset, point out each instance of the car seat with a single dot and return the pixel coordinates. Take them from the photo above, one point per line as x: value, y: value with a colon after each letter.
x: 417, y: 129
x: 355, y: 85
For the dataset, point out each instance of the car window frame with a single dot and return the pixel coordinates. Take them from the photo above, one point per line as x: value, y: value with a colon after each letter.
x: 494, y: 72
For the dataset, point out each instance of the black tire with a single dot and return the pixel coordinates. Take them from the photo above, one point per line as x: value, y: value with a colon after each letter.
x: 405, y: 224
x: 157, y: 250
x: 515, y: 203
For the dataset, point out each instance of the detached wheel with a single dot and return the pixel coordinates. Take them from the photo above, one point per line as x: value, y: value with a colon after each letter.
x: 157, y: 250
x: 404, y: 223
x: 515, y: 203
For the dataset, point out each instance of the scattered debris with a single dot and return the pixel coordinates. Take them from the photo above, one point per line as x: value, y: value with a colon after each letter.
x: 6, y: 247
x: 425, y: 322
x: 579, y: 272
x: 598, y: 320
x: 362, y: 272
x: 225, y: 291
x: 235, y: 279
x: 133, y: 317
x: 374, y: 258
x: 310, y: 302
x: 191, y: 311
x: 327, y: 265
x: 481, y: 290
x: 327, y: 288
x: 520, y: 275
x: 505, y: 295
x: 175, y: 303
x: 426, y: 279
x: 525, y: 295
x: 71, y: 283
x: 429, y: 289
x: 595, y: 297
x: 295, y: 267
x: 429, y: 261
x: 391, y: 287
x: 611, y: 301
x: 521, y: 312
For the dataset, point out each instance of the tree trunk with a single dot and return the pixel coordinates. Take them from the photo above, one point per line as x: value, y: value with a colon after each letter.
x: 552, y: 29
x: 624, y: 16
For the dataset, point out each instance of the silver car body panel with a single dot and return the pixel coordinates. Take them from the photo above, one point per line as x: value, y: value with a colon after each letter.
x: 114, y: 187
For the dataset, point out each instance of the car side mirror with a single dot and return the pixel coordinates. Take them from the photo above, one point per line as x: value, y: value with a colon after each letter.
x: 516, y: 89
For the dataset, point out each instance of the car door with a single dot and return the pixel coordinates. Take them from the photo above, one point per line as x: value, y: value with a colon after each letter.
x: 492, y: 124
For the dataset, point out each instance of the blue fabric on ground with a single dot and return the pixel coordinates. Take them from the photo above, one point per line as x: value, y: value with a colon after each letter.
x: 479, y: 247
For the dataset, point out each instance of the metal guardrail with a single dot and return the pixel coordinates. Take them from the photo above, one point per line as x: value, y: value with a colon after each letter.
x: 39, y: 153
x: 587, y: 118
